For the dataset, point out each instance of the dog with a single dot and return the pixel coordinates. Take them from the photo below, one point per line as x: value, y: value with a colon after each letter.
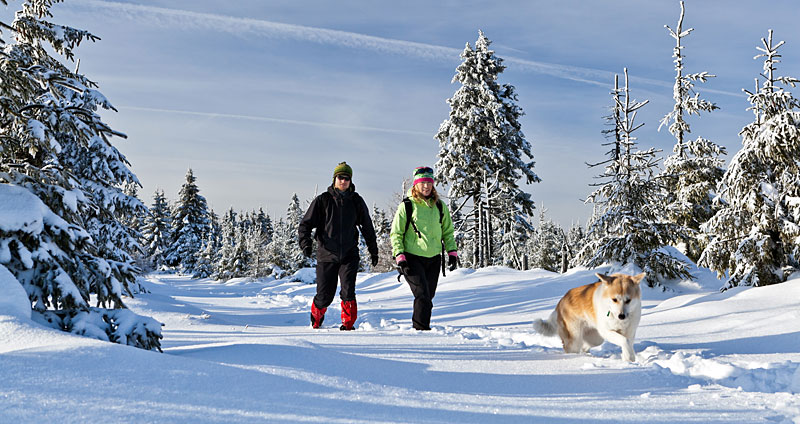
x: 609, y: 309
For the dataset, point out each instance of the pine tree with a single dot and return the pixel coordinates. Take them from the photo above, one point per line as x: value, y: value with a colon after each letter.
x: 294, y: 255
x: 576, y: 237
x: 383, y: 227
x: 227, y: 261
x: 208, y: 257
x: 56, y: 148
x: 754, y: 234
x: 265, y: 224
x: 240, y: 265
x: 480, y: 144
x: 692, y: 173
x: 627, y: 228
x: 190, y: 223
x: 283, y: 235
x: 256, y: 242
x: 549, y: 241
x: 513, y: 244
x: 157, y: 231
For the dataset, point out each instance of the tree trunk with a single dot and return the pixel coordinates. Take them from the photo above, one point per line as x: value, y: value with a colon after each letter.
x: 476, y: 233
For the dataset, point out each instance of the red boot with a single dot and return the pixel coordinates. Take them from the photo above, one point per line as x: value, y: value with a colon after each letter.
x: 317, y: 315
x: 349, y: 313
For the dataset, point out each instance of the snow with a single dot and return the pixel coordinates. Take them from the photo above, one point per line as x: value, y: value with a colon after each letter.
x: 14, y: 301
x: 20, y: 210
x: 243, y: 351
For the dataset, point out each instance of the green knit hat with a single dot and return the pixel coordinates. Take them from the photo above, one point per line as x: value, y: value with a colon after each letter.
x: 343, y: 169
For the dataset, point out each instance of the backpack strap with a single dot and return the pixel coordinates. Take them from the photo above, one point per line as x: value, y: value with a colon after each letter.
x: 410, y: 210
x: 409, y: 221
x: 441, y: 218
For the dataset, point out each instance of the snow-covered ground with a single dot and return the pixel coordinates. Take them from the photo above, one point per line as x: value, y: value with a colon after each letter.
x: 243, y: 351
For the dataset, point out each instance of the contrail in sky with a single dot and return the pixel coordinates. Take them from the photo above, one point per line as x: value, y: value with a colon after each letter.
x: 276, y: 120
x: 176, y: 18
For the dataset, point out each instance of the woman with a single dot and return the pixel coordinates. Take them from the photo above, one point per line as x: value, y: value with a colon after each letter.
x: 420, y: 226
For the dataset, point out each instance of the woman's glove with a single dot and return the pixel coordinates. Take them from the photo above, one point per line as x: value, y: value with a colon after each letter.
x: 401, y: 261
x: 452, y: 260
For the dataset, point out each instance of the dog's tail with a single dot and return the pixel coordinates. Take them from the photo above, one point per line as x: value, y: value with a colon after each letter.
x: 546, y: 328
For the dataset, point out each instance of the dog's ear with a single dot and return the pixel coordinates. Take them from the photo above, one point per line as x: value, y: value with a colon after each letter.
x: 638, y: 278
x: 604, y: 278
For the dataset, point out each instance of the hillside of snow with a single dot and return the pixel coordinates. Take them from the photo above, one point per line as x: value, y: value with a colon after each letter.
x: 243, y: 351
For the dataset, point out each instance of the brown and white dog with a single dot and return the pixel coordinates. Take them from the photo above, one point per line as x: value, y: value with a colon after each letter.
x: 609, y: 309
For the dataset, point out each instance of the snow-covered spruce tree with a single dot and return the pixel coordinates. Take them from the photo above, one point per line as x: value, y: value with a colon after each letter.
x: 510, y: 227
x: 256, y: 243
x: 530, y: 245
x: 157, y: 231
x: 482, y: 140
x: 264, y: 223
x: 383, y: 227
x: 513, y: 244
x: 611, y: 175
x: 208, y: 257
x: 254, y: 258
x: 284, y: 250
x: 691, y: 174
x: 575, y: 239
x: 190, y: 224
x: 229, y: 259
x: 239, y: 267
x: 281, y: 243
x: 294, y: 214
x: 627, y: 228
x: 548, y: 244
x: 754, y: 234
x: 56, y: 158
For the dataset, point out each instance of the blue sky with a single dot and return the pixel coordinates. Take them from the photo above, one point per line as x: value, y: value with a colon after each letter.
x: 263, y: 98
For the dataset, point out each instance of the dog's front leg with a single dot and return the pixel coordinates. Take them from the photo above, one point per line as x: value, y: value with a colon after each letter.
x: 620, y: 340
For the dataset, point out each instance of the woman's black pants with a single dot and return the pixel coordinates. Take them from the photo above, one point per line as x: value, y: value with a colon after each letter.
x: 422, y: 275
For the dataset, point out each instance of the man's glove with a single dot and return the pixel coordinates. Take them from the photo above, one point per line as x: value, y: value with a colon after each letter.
x: 374, y: 259
x: 452, y: 261
x: 307, y: 251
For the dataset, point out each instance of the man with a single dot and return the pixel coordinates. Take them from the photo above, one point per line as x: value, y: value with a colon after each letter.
x: 336, y: 214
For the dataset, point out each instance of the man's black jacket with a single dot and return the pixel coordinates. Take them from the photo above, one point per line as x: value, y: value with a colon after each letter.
x: 335, y: 215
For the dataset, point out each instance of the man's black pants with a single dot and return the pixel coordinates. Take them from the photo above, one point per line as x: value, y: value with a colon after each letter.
x: 329, y: 273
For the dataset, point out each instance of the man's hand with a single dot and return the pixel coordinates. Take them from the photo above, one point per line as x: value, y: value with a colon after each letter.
x: 374, y: 259
x: 307, y: 251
